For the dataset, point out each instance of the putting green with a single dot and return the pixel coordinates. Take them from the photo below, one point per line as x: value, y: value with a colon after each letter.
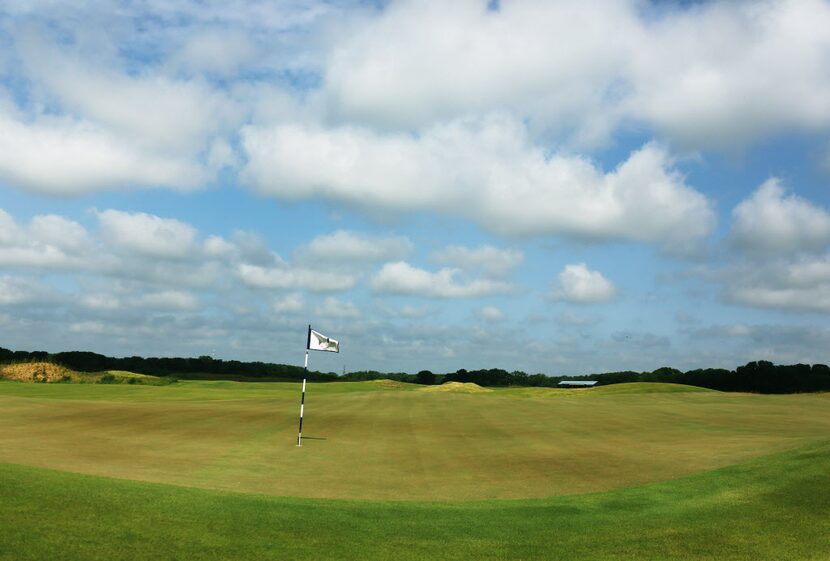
x: 382, y: 441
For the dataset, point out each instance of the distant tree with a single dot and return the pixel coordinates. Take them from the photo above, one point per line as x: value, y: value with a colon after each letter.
x: 425, y: 377
x: 663, y: 374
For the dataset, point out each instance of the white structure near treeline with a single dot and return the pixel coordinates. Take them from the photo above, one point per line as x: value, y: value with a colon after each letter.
x: 577, y: 383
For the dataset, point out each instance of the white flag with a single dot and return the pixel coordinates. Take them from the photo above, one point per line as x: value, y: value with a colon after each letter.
x: 319, y: 342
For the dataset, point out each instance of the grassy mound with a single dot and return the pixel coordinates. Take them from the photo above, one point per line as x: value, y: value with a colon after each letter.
x: 387, y: 384
x: 457, y: 387
x: 629, y: 388
x: 646, y: 387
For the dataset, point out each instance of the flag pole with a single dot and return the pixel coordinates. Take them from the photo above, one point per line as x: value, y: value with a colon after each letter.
x: 302, y: 397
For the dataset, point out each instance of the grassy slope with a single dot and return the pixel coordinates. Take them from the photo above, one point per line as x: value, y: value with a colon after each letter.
x: 370, y: 441
x: 772, y: 508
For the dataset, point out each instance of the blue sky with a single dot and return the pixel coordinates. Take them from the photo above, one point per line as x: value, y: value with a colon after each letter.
x: 556, y: 187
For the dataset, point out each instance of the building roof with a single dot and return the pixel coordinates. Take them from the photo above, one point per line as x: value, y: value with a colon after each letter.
x: 577, y: 382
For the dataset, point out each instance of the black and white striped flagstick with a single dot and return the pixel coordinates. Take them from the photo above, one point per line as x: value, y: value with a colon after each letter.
x: 302, y: 398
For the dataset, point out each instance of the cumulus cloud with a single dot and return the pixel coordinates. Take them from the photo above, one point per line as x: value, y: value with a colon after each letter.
x: 284, y: 277
x: 289, y: 304
x: 60, y: 232
x: 172, y: 115
x: 580, y: 285
x: 491, y: 313
x: 164, y: 251
x: 811, y: 298
x: 412, y: 312
x: 219, y: 53
x: 168, y: 300
x: 334, y: 308
x: 104, y: 115
x: 773, y: 222
x: 736, y: 330
x: 48, y: 241
x: 491, y: 260
x: 20, y: 291
x: 799, y: 283
x: 785, y: 265
x: 101, y: 301
x: 716, y: 74
x: 148, y: 235
x: 134, y: 296
x: 65, y: 156
x: 402, y: 278
x: 727, y: 73
x: 422, y: 62
x: 346, y: 246
x: 485, y: 170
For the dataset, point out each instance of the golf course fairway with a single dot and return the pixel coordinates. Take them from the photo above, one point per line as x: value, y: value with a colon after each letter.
x: 210, y: 470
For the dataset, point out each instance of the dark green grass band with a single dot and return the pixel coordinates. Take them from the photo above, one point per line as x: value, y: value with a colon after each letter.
x: 772, y: 508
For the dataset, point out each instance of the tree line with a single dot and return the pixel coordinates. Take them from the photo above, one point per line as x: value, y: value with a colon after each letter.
x: 201, y: 367
x: 758, y: 376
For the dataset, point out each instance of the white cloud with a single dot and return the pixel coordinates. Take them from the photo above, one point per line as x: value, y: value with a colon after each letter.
x: 250, y: 248
x: 487, y: 258
x: 799, y: 283
x: 402, y: 278
x: 422, y: 62
x: 491, y: 313
x: 168, y: 300
x: 149, y: 109
x: 731, y: 331
x: 333, y: 308
x: 101, y: 301
x: 148, y: 235
x: 580, y: 285
x: 815, y: 298
x: 216, y: 53
x: 94, y: 327
x: 14, y: 290
x: 9, y: 231
x: 284, y: 277
x: 48, y: 241
x: 135, y: 296
x: 217, y: 246
x: 412, y: 312
x: 713, y: 74
x: 570, y: 319
x: 738, y: 330
x: 771, y: 222
x: 346, y: 246
x: 60, y: 232
x: 64, y: 156
x: 96, y: 112
x: 728, y: 73
x: 485, y: 170
x: 288, y: 304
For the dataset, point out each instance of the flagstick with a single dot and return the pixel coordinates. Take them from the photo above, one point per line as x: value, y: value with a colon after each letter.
x: 302, y: 402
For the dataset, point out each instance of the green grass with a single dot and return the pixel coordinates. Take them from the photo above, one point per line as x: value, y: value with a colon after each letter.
x: 773, y: 508
x: 369, y: 441
x: 209, y: 470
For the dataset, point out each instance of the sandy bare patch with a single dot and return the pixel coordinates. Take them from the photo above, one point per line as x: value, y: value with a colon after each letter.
x: 40, y: 372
